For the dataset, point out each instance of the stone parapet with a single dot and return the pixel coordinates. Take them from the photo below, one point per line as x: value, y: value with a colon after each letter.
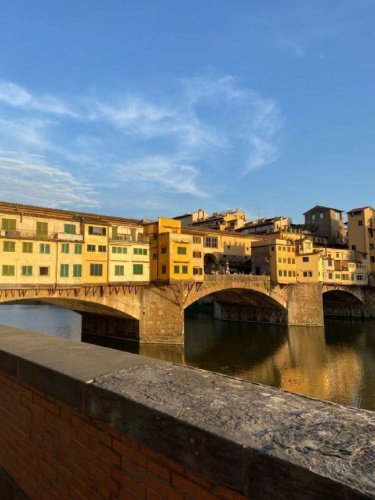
x: 82, y: 420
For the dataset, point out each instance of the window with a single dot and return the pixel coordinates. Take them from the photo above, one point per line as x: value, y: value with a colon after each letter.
x: 91, y: 248
x: 9, y: 246
x: 78, y: 248
x: 330, y: 276
x: 354, y: 247
x: 337, y: 276
x: 290, y: 274
x: 345, y: 276
x: 307, y: 274
x: 279, y: 260
x: 42, y: 228
x: 337, y: 216
x: 371, y: 246
x: 285, y: 273
x: 27, y: 270
x: 77, y: 271
x: 64, y: 247
x: 360, y: 222
x: 313, y: 217
x: 119, y: 250
x: 44, y: 271
x: 64, y: 270
x: 181, y: 250
x: 176, y: 269
x: 307, y: 245
x: 197, y: 255
x: 8, y: 270
x: 184, y: 269
x: 119, y: 270
x: 96, y: 269
x: 197, y: 271
x: 163, y: 269
x: 321, y: 215
x: 69, y: 229
x: 211, y: 241
x: 197, y: 239
x: 9, y: 224
x: 359, y: 277
x: 163, y: 250
x: 372, y: 258
x: 97, y: 231
x: 305, y: 259
x: 102, y: 248
x: 280, y: 272
x: 144, y: 251
x: 27, y: 247
x: 44, y: 248
x: 138, y: 269
x: 293, y: 261
x: 140, y: 251
x: 294, y: 274
x: 279, y: 249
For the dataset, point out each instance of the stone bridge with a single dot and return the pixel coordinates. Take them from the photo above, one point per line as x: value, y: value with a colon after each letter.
x: 154, y: 313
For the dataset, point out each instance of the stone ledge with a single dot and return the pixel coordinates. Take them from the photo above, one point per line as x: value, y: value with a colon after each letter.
x: 256, y: 439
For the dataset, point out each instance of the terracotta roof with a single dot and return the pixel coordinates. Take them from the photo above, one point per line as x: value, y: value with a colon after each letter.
x: 321, y: 206
x: 46, y: 212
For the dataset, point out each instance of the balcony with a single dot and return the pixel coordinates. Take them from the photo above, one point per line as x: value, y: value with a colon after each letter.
x: 26, y: 235
x: 33, y: 235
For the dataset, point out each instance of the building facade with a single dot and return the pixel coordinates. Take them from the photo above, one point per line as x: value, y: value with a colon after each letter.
x: 361, y: 230
x: 42, y: 246
x: 328, y: 223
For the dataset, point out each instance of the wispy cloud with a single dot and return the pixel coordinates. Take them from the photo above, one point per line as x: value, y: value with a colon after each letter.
x: 15, y: 95
x: 32, y: 181
x: 182, y: 144
x: 161, y: 171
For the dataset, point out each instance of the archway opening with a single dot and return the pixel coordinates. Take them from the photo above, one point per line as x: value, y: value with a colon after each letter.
x: 69, y: 318
x: 342, y: 304
x: 237, y: 304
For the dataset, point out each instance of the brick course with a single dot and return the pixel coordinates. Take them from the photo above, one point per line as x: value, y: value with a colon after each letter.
x: 53, y: 452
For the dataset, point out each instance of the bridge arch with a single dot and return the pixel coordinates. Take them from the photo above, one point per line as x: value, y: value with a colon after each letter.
x: 257, y: 285
x: 242, y: 298
x: 343, y: 301
x: 100, y: 302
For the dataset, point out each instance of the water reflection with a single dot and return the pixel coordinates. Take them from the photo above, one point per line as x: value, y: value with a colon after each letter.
x: 336, y: 363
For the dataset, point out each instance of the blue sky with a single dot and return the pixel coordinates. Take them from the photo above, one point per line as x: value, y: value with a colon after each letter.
x: 147, y: 108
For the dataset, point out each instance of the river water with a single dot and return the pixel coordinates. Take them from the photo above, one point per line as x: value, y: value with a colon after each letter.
x: 335, y: 363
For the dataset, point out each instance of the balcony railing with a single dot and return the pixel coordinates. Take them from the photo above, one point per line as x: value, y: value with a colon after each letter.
x: 33, y: 235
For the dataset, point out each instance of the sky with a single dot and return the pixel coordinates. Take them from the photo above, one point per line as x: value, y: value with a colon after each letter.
x: 142, y: 109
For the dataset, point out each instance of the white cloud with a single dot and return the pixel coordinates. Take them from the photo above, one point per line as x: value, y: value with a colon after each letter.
x: 187, y: 143
x: 29, y: 180
x: 15, y: 95
x: 167, y: 172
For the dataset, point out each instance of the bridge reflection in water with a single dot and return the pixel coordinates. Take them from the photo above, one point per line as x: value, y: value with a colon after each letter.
x: 335, y: 363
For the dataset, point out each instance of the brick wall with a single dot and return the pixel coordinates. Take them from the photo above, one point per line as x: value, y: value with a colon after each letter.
x: 53, y: 452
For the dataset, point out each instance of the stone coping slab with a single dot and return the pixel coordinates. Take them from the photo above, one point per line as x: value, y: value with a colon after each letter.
x: 256, y: 439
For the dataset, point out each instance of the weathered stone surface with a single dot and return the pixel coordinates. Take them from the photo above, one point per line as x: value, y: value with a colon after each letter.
x: 253, y: 438
x: 305, y: 304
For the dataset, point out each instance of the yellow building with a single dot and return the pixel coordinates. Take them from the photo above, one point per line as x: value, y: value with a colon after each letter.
x: 43, y: 246
x: 175, y: 254
x: 361, y: 233
x: 275, y: 257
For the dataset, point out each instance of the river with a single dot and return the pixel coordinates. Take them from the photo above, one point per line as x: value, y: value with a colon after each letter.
x: 335, y: 363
